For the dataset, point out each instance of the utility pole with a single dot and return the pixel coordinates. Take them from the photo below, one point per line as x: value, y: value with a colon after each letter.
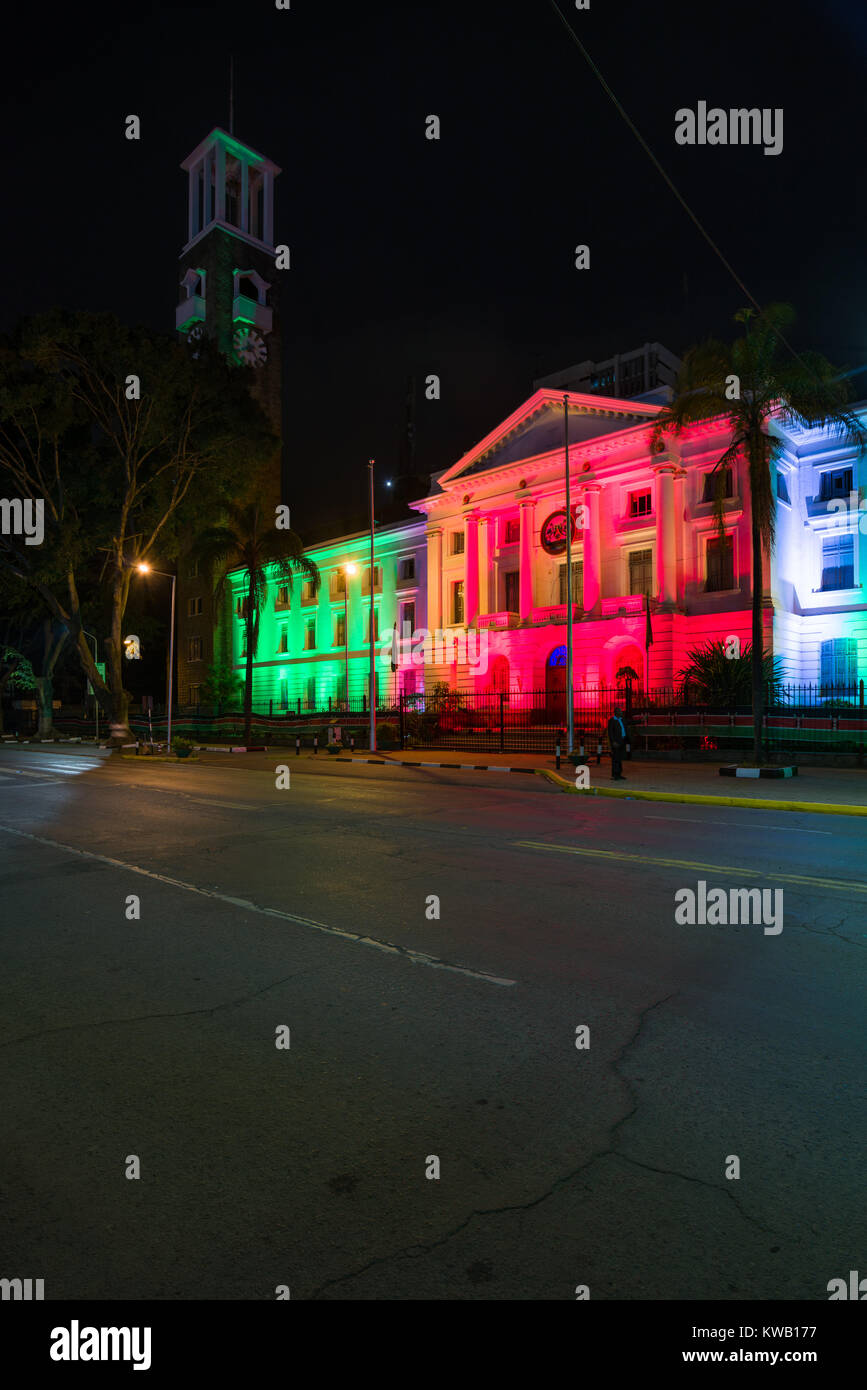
x: 372, y: 683
x: 570, y: 717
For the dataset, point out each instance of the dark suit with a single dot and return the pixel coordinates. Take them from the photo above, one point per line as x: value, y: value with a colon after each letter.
x: 617, y: 743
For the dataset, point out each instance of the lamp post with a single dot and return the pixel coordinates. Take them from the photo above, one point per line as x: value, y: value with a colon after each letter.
x: 570, y: 732
x: 95, y: 660
x: 348, y: 569
x: 372, y: 684
x: 144, y: 568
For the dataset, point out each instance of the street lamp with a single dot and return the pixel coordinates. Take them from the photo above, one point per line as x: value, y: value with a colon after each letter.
x: 93, y: 688
x: 144, y: 568
x: 348, y: 569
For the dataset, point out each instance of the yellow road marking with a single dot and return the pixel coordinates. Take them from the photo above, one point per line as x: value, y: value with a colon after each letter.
x: 842, y: 884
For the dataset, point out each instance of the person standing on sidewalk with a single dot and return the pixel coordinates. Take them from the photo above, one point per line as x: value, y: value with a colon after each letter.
x: 617, y: 743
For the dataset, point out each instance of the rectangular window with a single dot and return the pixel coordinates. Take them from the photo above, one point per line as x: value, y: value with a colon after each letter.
x: 377, y: 580
x: 340, y: 689
x: 240, y: 607
x: 194, y: 694
x: 720, y: 565
x: 407, y: 619
x: 512, y: 532
x: 338, y: 584
x: 283, y: 643
x: 783, y: 489
x: 640, y: 503
x: 458, y: 539
x: 194, y: 607
x: 837, y: 483
x: 340, y: 630
x: 839, y: 663
x: 375, y: 624
x: 282, y: 599
x: 838, y: 562
x: 640, y: 571
x: 406, y: 569
x: 308, y: 591
x: 311, y: 692
x: 242, y: 640
x: 711, y: 483
x: 195, y: 649
x: 577, y: 582
x: 283, y: 694
x: 310, y: 634
x: 458, y: 602
x: 193, y: 573
x: 511, y: 583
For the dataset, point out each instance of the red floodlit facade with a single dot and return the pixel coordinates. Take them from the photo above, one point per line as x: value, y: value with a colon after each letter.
x: 643, y: 528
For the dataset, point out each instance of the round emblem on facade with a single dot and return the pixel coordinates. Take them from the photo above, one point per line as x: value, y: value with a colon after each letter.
x: 553, y: 533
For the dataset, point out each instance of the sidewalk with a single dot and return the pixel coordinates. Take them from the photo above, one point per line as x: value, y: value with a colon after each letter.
x: 831, y: 791
x: 841, y: 791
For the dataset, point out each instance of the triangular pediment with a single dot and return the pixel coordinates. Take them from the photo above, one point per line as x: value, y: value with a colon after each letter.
x: 536, y: 427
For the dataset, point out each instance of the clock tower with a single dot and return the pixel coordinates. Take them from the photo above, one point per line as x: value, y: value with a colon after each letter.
x: 227, y: 292
x: 228, y: 288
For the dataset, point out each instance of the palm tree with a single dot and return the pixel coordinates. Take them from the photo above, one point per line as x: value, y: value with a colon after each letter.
x: 720, y: 679
x: 246, y: 541
x: 748, y: 382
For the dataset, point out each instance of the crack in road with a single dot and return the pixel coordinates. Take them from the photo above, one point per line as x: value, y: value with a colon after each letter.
x: 146, y: 1018
x: 413, y: 1251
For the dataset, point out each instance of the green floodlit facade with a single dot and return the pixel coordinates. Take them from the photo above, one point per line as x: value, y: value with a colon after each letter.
x: 308, y: 646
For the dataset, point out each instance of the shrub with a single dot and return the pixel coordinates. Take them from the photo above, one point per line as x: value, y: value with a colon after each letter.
x: 387, y: 735
x: 335, y: 747
x: 183, y: 747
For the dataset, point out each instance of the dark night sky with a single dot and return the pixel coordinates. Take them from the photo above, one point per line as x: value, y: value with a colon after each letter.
x: 453, y: 257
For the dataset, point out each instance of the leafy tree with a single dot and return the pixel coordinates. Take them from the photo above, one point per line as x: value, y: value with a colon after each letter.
x: 222, y: 685
x: 248, y: 542
x: 724, y: 681
x: 125, y: 438
x: 16, y: 673
x: 751, y: 382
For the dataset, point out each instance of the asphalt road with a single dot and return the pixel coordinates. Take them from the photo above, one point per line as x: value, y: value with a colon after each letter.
x: 414, y: 1036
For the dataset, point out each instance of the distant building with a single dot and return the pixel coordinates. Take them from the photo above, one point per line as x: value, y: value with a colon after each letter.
x: 819, y: 573
x: 313, y: 648
x: 648, y: 372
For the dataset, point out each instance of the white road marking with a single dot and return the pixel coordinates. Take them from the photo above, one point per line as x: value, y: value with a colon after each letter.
x: 736, y: 825
x: 50, y: 782
x: 417, y: 957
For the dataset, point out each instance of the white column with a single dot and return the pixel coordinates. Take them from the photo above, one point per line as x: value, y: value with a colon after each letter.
x: 221, y: 182
x: 267, y: 232
x: 527, y: 514
x: 471, y: 569
x: 434, y: 579
x: 666, y: 536
x: 193, y: 194
x: 591, y: 498
x: 484, y: 565
x: 245, y: 195
x: 207, y: 200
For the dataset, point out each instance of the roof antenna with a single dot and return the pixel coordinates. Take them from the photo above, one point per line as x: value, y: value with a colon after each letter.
x: 232, y: 94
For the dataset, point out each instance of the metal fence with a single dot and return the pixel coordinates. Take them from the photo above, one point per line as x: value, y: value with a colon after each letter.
x: 799, y: 717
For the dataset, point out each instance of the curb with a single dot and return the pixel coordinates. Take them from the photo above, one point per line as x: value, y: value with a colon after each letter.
x: 823, y: 808
x: 468, y: 767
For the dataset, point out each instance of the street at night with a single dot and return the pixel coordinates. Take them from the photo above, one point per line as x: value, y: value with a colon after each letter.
x: 412, y: 1036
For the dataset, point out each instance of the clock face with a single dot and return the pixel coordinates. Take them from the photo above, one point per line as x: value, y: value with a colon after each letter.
x: 195, y: 337
x: 250, y: 347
